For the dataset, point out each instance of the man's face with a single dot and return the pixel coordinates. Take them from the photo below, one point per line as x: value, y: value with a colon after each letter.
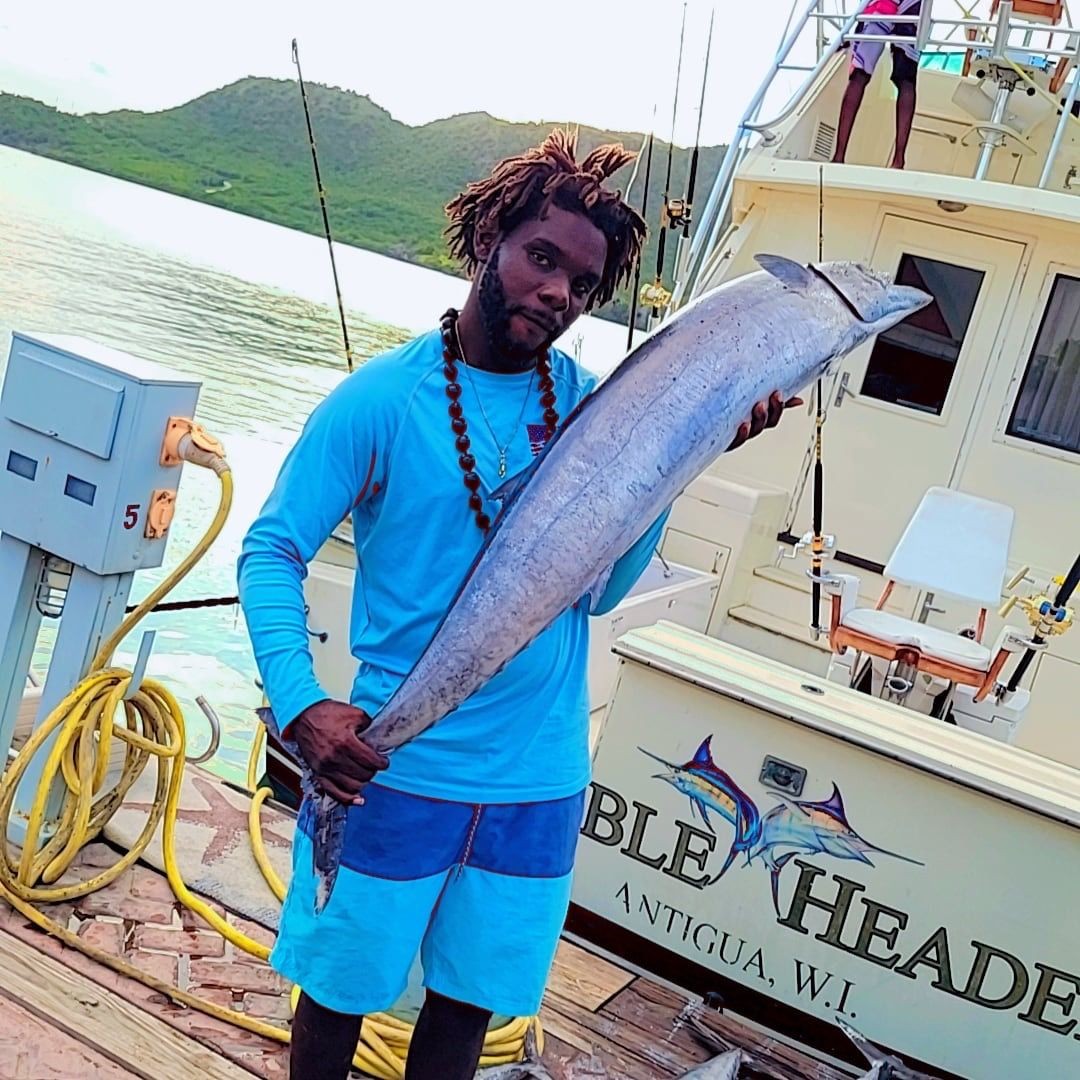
x: 539, y: 280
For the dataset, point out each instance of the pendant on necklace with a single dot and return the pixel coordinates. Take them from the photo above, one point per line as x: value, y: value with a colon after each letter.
x: 502, y: 463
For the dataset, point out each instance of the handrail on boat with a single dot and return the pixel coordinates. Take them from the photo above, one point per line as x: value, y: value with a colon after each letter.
x: 712, y: 216
x: 833, y: 24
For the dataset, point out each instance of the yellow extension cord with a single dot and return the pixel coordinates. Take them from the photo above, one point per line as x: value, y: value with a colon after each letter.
x: 85, y: 723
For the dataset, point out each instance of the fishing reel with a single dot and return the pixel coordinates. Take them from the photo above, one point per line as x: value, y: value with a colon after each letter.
x: 677, y: 214
x: 806, y: 541
x: 1047, y: 617
x: 654, y: 295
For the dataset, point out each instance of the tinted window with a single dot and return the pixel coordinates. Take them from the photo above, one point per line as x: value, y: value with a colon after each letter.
x: 913, y: 363
x: 1047, y: 408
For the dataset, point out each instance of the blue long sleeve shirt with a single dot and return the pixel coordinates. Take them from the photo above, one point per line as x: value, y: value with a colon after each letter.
x: 380, y: 448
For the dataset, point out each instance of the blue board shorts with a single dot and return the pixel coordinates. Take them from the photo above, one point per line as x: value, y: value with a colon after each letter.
x: 481, y: 891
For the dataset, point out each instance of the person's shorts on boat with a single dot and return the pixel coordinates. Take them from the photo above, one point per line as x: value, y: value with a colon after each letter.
x: 866, y: 54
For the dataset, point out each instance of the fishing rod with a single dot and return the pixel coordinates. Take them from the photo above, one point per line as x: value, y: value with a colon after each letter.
x: 817, y: 541
x: 1048, y: 617
x: 322, y: 203
x: 655, y: 293
x: 644, y: 210
x: 682, y: 211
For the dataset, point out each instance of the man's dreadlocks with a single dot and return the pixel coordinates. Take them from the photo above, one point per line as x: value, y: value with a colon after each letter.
x: 523, y: 187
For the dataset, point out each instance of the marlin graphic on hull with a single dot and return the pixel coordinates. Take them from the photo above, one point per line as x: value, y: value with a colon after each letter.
x: 811, y: 828
x: 710, y: 788
x: 794, y: 827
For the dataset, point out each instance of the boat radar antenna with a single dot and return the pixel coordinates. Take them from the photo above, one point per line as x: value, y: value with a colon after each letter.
x: 322, y: 203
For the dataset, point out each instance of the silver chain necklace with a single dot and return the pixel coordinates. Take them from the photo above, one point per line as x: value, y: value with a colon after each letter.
x: 502, y: 450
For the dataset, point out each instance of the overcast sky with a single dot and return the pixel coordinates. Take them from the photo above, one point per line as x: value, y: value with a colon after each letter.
x: 602, y: 62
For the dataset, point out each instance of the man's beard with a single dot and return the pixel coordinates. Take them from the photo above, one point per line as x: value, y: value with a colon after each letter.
x: 495, y: 317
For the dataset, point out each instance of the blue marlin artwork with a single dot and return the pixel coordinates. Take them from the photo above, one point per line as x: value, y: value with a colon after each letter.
x: 811, y: 828
x: 710, y: 788
x: 794, y: 827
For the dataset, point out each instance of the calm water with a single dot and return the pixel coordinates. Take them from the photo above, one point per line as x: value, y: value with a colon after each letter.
x: 246, y: 307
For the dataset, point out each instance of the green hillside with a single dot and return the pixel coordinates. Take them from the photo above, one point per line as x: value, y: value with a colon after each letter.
x: 245, y: 147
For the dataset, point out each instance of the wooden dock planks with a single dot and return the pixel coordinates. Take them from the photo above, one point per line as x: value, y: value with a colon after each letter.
x: 141, y: 1044
x: 32, y: 1049
x: 584, y: 978
x: 604, y: 1021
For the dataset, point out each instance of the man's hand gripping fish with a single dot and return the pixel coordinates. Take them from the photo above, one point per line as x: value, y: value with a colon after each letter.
x: 666, y: 412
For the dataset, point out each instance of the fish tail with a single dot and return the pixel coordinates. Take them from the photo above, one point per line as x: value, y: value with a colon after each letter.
x: 328, y: 818
x: 324, y: 886
x: 778, y: 865
x: 774, y: 876
x: 328, y: 837
x: 727, y: 862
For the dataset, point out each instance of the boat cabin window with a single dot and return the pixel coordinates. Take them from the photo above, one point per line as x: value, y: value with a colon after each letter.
x: 912, y: 364
x: 1047, y: 408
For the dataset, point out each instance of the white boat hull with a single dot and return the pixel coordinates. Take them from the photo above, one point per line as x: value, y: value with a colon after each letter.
x: 965, y: 959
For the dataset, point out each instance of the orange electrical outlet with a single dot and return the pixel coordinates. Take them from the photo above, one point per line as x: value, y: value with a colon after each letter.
x: 159, y: 514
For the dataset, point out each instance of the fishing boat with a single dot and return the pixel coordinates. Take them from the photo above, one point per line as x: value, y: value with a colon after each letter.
x: 890, y: 770
x: 835, y: 788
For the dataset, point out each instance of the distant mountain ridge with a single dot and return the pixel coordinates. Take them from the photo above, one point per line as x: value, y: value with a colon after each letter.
x: 245, y: 147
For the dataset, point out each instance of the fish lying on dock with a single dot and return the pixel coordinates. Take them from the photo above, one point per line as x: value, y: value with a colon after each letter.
x: 530, y: 1068
x: 882, y: 1066
x: 606, y: 477
x: 724, y: 1066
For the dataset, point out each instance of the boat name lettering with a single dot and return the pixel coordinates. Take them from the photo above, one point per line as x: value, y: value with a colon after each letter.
x: 828, y: 907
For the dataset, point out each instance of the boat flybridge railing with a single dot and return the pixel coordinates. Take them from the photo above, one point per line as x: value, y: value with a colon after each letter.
x: 1026, y: 45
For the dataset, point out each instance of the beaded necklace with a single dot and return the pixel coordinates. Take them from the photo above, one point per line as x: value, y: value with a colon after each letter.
x: 452, y: 354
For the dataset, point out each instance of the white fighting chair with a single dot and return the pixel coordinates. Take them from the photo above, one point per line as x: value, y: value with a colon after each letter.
x: 956, y: 545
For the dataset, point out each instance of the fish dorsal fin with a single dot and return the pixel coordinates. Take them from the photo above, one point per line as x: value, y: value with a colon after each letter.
x: 703, y: 757
x: 794, y: 275
x: 834, y: 804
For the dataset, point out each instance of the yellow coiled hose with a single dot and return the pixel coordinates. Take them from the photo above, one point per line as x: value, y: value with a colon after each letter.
x: 152, y: 727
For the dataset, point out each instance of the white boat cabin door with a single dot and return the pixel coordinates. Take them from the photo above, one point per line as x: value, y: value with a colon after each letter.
x: 899, y: 407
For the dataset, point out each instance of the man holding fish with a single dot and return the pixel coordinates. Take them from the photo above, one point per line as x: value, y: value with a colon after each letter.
x: 460, y: 845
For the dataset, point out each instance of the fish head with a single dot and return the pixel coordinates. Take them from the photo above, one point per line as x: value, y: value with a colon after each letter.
x: 879, y: 303
x: 855, y: 301
x: 673, y: 774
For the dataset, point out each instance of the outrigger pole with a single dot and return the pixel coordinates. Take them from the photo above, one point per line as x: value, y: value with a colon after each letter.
x: 322, y: 203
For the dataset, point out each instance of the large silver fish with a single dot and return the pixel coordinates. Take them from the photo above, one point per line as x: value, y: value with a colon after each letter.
x: 662, y: 416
